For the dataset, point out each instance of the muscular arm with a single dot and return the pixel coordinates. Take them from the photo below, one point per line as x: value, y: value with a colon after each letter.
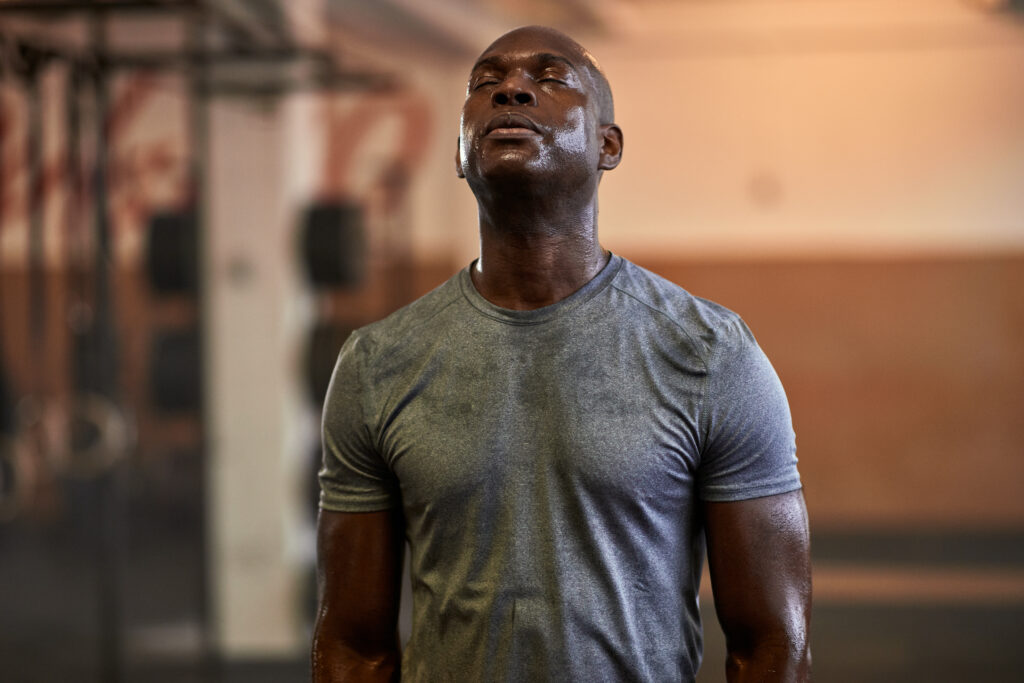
x: 759, y: 559
x: 359, y: 570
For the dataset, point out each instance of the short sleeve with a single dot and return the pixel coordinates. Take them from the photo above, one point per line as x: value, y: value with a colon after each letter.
x: 354, y: 477
x: 749, y: 448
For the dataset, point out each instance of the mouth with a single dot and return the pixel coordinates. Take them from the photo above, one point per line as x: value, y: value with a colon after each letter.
x: 509, y: 124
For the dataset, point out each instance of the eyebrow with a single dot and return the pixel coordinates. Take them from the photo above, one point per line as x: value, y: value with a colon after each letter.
x: 540, y: 57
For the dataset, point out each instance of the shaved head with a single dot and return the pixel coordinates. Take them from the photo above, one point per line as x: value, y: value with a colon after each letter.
x: 599, y: 82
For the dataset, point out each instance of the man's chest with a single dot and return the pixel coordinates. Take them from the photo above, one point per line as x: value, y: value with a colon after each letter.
x: 607, y: 416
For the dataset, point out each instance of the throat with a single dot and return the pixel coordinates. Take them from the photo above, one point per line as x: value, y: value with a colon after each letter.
x: 523, y: 279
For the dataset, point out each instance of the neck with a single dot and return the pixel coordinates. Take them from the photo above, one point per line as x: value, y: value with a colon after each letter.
x: 536, y: 251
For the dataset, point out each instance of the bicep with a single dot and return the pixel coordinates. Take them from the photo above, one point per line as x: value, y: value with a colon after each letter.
x: 759, y: 561
x: 359, y: 571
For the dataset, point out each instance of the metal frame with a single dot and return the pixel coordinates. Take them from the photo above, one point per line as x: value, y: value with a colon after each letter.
x: 209, y: 73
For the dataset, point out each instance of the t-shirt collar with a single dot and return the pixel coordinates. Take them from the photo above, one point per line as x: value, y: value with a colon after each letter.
x: 545, y: 313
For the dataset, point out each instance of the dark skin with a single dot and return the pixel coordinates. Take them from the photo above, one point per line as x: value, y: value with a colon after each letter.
x: 359, y: 574
x: 533, y: 147
x: 536, y: 137
x: 759, y: 560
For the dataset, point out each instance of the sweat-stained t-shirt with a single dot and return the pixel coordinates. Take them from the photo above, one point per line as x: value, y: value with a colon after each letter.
x: 550, y: 464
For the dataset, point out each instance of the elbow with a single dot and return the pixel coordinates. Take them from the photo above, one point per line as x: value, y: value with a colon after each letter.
x: 781, y: 653
x: 336, y: 659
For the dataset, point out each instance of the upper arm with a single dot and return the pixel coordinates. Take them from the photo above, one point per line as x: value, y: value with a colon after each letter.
x: 748, y: 447
x: 359, y: 571
x: 355, y: 476
x: 759, y: 560
x: 360, y: 536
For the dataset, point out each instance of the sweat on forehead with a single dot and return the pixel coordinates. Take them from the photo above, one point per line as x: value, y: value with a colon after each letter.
x: 571, y: 49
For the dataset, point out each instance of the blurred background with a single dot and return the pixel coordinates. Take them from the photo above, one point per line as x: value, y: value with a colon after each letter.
x: 199, y: 199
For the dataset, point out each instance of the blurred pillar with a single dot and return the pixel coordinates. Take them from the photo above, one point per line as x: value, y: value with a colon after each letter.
x: 253, y: 395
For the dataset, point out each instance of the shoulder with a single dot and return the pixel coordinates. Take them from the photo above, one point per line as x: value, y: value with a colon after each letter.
x: 711, y: 326
x: 412, y: 322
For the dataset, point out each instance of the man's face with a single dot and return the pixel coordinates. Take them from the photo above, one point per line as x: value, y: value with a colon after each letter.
x: 530, y: 108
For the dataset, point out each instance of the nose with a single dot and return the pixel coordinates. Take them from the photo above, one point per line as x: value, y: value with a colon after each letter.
x: 514, y: 90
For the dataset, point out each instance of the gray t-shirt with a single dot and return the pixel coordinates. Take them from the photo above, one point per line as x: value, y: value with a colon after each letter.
x: 549, y: 464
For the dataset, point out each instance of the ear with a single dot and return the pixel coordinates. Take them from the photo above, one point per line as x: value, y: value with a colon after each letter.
x: 458, y: 158
x: 611, y: 147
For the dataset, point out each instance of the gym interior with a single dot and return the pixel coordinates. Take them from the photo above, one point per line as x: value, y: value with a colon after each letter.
x: 200, y: 199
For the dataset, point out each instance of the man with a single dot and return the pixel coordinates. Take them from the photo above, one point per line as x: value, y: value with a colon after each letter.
x: 555, y: 431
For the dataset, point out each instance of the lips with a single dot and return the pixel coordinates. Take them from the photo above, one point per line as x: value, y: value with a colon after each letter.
x: 510, y: 122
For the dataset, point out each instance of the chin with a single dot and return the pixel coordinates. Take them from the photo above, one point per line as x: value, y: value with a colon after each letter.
x: 522, y: 164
